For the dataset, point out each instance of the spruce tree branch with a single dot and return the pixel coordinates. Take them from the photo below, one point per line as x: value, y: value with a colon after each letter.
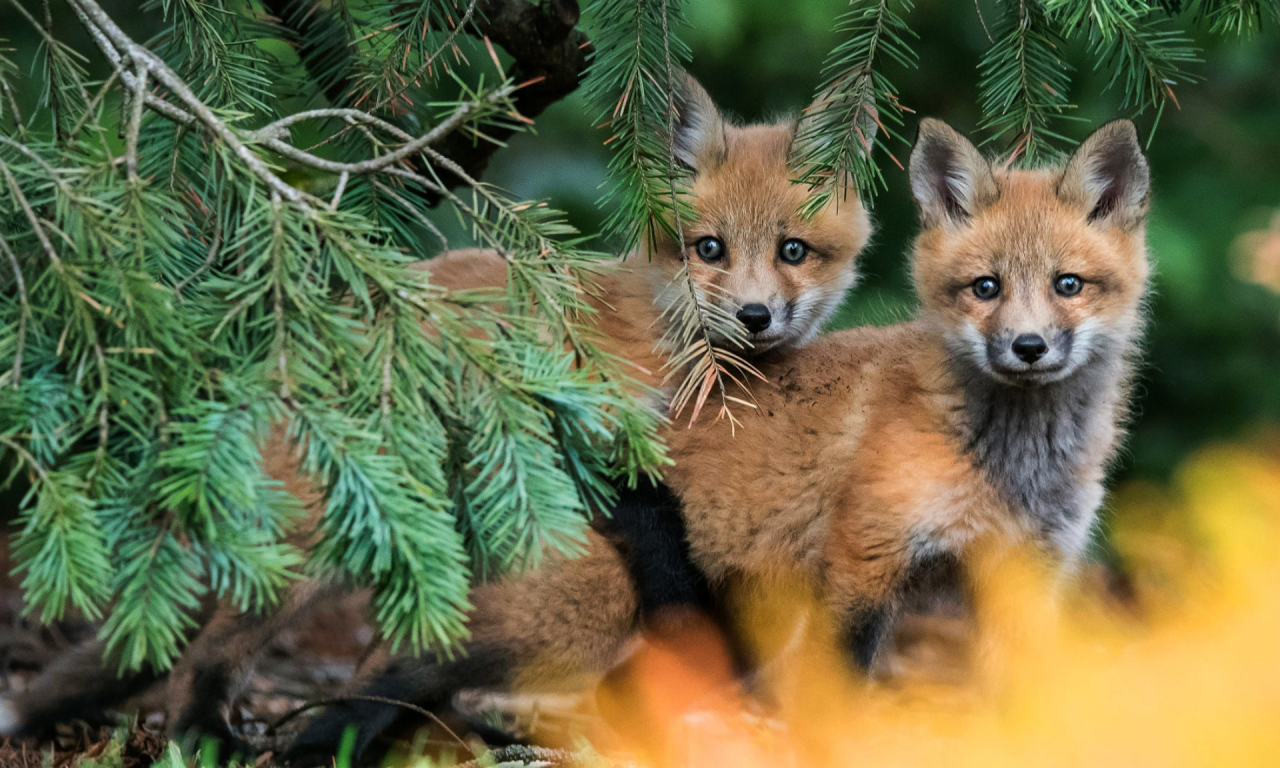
x: 175, y: 114
x: 703, y: 333
x: 137, y: 101
x: 96, y: 342
x: 277, y: 278
x: 93, y: 105
x: 408, y: 206
x: 24, y: 149
x: 306, y: 25
x: 25, y: 455
x: 126, y: 47
x: 276, y: 129
x: 550, y: 58
x: 18, y: 124
x: 214, y: 249
x: 549, y: 54
x: 426, y: 65
x: 337, y: 193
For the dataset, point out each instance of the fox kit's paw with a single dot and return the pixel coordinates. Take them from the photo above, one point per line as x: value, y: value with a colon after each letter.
x: 220, y: 744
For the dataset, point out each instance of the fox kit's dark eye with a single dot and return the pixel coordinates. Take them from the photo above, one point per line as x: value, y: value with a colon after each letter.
x: 793, y: 251
x: 986, y: 288
x: 1068, y: 285
x: 709, y: 249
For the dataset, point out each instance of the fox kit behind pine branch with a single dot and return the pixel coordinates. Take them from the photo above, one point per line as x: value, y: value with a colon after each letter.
x: 750, y: 250
x: 782, y: 273
x: 749, y: 247
x: 878, y: 453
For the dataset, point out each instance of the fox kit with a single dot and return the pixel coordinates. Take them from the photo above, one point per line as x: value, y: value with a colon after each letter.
x: 878, y: 452
x: 748, y: 247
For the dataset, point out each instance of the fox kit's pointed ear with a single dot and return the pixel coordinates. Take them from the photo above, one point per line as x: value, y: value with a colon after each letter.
x: 698, y: 138
x: 950, y: 179
x: 1108, y: 177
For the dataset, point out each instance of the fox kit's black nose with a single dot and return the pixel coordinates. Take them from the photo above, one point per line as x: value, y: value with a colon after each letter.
x: 1030, y: 347
x: 755, y: 317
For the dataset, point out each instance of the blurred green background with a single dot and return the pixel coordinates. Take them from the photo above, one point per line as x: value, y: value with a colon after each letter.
x: 1212, y: 368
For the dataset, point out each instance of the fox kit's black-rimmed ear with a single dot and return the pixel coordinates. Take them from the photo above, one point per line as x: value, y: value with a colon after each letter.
x: 950, y: 179
x: 1108, y: 177
x: 698, y: 138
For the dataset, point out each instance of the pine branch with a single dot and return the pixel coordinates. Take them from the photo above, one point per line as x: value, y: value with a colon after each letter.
x: 182, y: 296
x: 1025, y: 82
x: 1135, y: 44
x: 854, y: 98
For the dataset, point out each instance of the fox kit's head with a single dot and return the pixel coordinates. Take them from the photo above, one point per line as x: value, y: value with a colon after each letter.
x: 749, y: 247
x: 1031, y: 275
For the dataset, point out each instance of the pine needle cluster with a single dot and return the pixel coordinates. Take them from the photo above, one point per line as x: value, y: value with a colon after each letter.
x: 183, y: 279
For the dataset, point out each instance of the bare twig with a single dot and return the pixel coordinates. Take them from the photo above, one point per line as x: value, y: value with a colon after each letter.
x: 550, y: 56
x: 123, y: 44
x: 410, y: 148
x: 138, y: 100
x: 337, y: 193
x: 978, y: 8
x: 25, y: 455
x: 13, y: 107
x: 26, y: 309
x: 36, y: 224
x: 276, y: 129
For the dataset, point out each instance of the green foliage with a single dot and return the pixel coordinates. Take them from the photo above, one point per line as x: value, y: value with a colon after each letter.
x: 855, y: 99
x: 631, y: 81
x: 1025, y: 79
x: 178, y: 299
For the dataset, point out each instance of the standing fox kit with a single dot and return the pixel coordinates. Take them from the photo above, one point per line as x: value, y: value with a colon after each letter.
x: 878, y: 452
x: 748, y: 248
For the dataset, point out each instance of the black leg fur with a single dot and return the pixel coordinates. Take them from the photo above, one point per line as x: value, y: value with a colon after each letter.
x: 866, y: 634
x: 931, y: 582
x: 203, y: 724
x: 647, y: 525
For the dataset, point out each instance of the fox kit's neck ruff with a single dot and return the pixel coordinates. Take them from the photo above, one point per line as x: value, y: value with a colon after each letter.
x: 1040, y: 444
